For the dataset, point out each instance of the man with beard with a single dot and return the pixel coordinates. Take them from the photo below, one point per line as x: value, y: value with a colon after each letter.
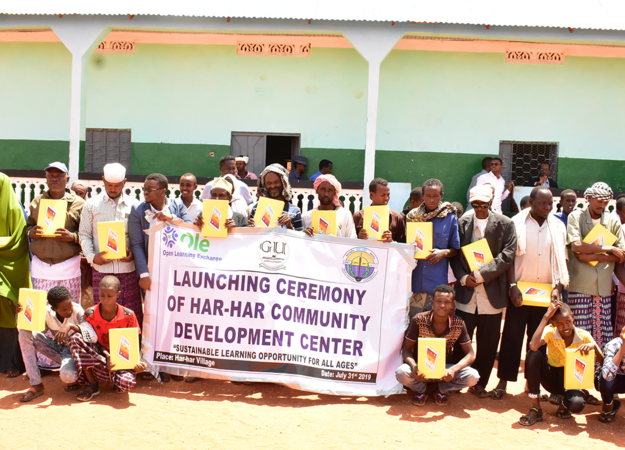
x: 590, y: 289
x: 227, y: 166
x: 274, y: 183
x: 434, y: 270
x: 328, y: 190
x: 111, y: 205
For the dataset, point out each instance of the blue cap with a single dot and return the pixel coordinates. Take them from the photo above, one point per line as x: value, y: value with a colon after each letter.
x: 58, y: 165
x: 301, y: 160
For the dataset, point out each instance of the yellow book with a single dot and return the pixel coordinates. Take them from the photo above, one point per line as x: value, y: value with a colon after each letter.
x: 324, y: 222
x: 112, y: 239
x: 267, y: 212
x: 52, y: 215
x: 599, y: 236
x: 420, y: 234
x: 375, y: 220
x: 215, y: 214
x: 33, y: 314
x: 579, y: 370
x: 478, y: 254
x: 124, y: 343
x: 432, y: 353
x: 535, y: 294
x: 4, y: 240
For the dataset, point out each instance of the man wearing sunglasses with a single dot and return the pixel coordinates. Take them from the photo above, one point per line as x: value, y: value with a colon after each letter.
x: 495, y: 179
x: 482, y: 295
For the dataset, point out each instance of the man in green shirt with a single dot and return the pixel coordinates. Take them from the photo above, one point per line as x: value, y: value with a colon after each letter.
x: 590, y: 288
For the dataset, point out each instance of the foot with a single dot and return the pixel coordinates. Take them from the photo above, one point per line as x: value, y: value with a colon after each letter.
x: 32, y: 393
x: 192, y: 379
x: 479, y: 391
x: 440, y: 399
x: 497, y: 393
x: 12, y: 373
x: 72, y: 387
x: 89, y: 391
x: 420, y: 399
x: 165, y: 378
x: 556, y: 399
x: 608, y: 416
x: 535, y: 415
x: 563, y: 413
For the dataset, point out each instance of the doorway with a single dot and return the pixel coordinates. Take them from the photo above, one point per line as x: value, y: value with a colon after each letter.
x: 265, y: 148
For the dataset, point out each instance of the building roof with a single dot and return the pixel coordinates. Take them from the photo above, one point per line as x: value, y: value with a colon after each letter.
x: 579, y: 14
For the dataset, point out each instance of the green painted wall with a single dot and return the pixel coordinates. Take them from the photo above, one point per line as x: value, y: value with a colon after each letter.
x: 347, y: 165
x: 579, y: 173
x: 21, y: 154
x: 200, y: 94
x: 177, y: 159
x: 468, y: 102
x: 35, y: 81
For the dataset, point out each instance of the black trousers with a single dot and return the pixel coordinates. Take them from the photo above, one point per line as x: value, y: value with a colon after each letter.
x: 518, y: 321
x: 538, y: 371
x: 487, y: 341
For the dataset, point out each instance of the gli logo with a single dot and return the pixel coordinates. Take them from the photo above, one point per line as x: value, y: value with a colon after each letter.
x: 273, y: 253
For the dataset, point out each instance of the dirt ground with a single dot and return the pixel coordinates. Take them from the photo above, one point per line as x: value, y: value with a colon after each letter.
x: 217, y: 414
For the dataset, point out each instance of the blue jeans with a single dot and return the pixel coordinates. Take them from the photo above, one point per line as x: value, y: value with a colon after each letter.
x: 32, y: 342
x: 609, y: 388
x: 464, y: 378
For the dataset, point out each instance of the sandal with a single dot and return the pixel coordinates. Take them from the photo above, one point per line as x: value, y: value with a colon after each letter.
x: 563, y: 413
x: 556, y: 399
x: 535, y: 415
x: 85, y: 395
x: 591, y: 399
x: 72, y: 387
x: 497, y: 394
x: 420, y: 399
x: 145, y: 376
x: 479, y: 391
x: 440, y: 399
x: 609, y: 416
x: 13, y: 373
x: 31, y: 394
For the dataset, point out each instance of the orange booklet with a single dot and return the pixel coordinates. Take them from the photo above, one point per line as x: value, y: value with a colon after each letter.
x: 478, y: 254
x: 420, y: 234
x: 376, y: 220
x: 599, y: 235
x: 324, y: 222
x: 431, y: 357
x: 579, y: 370
x: 112, y: 239
x: 535, y: 294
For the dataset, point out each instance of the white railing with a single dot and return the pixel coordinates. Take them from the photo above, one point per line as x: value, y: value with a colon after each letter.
x: 27, y: 189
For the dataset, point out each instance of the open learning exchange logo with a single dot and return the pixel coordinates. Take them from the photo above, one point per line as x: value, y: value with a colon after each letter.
x: 360, y: 264
x: 170, y: 236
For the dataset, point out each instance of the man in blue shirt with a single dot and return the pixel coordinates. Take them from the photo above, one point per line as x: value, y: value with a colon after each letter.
x: 325, y: 168
x: 568, y: 200
x: 434, y: 270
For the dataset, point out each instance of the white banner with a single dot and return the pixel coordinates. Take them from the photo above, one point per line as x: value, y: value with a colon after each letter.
x: 321, y: 314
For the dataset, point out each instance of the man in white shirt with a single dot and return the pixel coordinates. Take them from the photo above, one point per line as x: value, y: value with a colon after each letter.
x: 188, y: 186
x: 111, y: 205
x: 485, y: 169
x: 328, y: 191
x: 227, y: 166
x: 496, y: 180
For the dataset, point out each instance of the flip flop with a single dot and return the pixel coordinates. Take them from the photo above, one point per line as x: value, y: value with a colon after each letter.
x: 497, y: 394
x: 440, y: 399
x: 479, y: 393
x: 420, y: 399
x: 88, y: 395
x: 556, y: 399
x: 609, y: 416
x: 31, y: 394
x: 563, y: 413
x: 72, y: 387
x: 529, y: 419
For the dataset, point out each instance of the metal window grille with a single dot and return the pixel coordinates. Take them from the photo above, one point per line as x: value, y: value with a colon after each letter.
x: 526, y: 159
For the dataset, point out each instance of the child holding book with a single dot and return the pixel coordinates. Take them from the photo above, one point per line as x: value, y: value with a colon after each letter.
x: 94, y: 361
x: 63, y: 318
x: 557, y: 332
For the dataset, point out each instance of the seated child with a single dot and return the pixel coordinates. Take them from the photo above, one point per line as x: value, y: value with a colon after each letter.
x: 63, y: 318
x: 94, y: 361
x: 612, y: 379
x: 440, y: 322
x: 556, y: 330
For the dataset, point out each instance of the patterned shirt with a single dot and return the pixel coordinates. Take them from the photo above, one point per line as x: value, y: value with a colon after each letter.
x: 610, y: 367
x: 556, y: 348
x: 103, y: 208
x: 293, y: 212
x: 124, y: 318
x: 422, y: 326
x: 249, y: 176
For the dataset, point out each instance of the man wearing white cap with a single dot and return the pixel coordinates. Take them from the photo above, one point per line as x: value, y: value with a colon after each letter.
x: 242, y: 173
x: 482, y: 295
x: 111, y: 205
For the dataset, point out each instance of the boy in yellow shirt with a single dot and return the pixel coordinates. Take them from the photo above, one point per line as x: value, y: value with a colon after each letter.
x: 557, y: 332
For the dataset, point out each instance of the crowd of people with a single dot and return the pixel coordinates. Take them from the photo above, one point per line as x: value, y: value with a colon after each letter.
x: 449, y: 300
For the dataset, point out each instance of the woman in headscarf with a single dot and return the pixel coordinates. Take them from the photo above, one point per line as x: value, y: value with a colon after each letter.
x: 14, y: 274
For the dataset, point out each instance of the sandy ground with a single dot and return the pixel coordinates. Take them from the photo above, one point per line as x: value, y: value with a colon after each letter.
x: 217, y: 414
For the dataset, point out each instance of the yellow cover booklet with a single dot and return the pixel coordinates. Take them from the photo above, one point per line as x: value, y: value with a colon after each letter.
x: 324, y: 222
x: 215, y: 214
x: 535, y: 294
x: 579, y: 370
x: 432, y: 353
x: 112, y: 239
x: 478, y: 254
x: 420, y: 234
x: 375, y: 220
x: 599, y: 236
x: 124, y: 343
x: 267, y: 212
x: 33, y: 314
x: 52, y: 215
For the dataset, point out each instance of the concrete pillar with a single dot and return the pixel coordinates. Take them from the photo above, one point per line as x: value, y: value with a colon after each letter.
x: 81, y: 38
x: 373, y: 46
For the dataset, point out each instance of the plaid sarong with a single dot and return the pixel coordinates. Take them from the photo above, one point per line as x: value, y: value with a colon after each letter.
x: 87, y: 357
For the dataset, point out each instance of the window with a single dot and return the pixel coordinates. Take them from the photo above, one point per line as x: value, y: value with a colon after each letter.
x: 103, y: 146
x: 521, y: 160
